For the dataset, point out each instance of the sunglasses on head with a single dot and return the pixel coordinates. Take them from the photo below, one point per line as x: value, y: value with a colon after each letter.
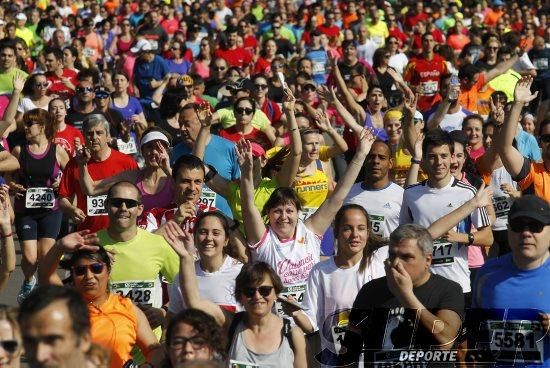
x: 9, y: 346
x: 84, y: 89
x: 96, y: 268
x: 521, y: 224
x: 117, y: 202
x: 244, y: 111
x: 263, y: 290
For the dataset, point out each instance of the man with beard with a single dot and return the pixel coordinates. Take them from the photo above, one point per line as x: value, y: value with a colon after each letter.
x: 235, y: 56
x: 377, y: 194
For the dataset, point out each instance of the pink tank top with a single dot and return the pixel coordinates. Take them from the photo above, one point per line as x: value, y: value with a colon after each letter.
x: 162, y: 199
x: 475, y: 253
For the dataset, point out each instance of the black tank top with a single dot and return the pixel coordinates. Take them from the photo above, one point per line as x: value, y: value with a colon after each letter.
x: 37, y: 172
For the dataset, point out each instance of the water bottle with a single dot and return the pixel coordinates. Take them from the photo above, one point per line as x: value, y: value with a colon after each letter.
x: 454, y: 91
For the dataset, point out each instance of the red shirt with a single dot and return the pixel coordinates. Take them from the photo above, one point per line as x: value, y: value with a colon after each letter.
x: 425, y: 75
x: 250, y: 43
x: 332, y: 31
x: 66, y: 137
x: 256, y: 135
x: 57, y: 87
x: 235, y: 57
x: 170, y: 25
x: 397, y: 33
x: 262, y: 66
x: 154, y: 218
x: 272, y: 111
x: 70, y: 184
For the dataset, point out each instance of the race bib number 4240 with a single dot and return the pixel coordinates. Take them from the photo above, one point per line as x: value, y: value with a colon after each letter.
x: 39, y: 198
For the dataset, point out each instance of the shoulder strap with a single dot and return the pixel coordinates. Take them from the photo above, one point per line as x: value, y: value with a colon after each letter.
x: 232, y: 328
x: 286, y: 331
x: 319, y: 165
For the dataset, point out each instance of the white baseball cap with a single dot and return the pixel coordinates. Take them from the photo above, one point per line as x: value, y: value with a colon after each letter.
x: 21, y: 16
x: 142, y: 45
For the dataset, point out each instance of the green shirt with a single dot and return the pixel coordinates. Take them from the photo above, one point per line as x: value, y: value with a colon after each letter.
x: 6, y: 80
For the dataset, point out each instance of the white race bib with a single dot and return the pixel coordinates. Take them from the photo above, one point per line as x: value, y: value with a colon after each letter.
x: 517, y: 341
x: 541, y: 64
x: 378, y: 225
x: 428, y: 88
x: 296, y: 291
x: 444, y: 253
x: 88, y: 52
x: 96, y: 205
x: 237, y: 364
x: 39, y: 198
x: 129, y: 148
x: 307, y: 212
x: 208, y: 197
x: 141, y: 292
x: 502, y: 206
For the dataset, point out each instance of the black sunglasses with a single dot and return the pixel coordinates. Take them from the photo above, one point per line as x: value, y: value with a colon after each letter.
x: 84, y: 89
x: 117, y: 202
x: 545, y: 138
x: 244, y: 111
x: 9, y: 346
x: 309, y: 88
x: 196, y: 342
x: 219, y: 68
x: 263, y: 290
x: 261, y: 86
x: 96, y: 268
x: 30, y: 123
x: 44, y: 84
x: 533, y: 226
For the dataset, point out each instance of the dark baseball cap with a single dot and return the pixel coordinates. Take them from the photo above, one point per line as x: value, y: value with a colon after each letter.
x: 532, y: 207
x: 242, y: 84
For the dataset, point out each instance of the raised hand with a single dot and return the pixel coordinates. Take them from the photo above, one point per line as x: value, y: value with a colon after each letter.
x: 180, y: 240
x: 163, y: 158
x: 204, y: 113
x: 82, y: 155
x: 80, y: 240
x: 366, y: 139
x: 522, y: 92
x: 327, y: 94
x: 498, y: 112
x: 409, y: 105
x: 395, y: 75
x: 484, y: 196
x: 322, y: 121
x: 19, y: 82
x: 332, y: 61
x: 289, y: 101
x: 417, y: 154
x: 244, y: 154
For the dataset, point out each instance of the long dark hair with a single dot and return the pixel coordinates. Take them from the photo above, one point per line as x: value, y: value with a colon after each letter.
x: 373, y: 242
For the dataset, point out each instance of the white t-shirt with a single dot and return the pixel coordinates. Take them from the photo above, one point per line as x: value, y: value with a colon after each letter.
x: 453, y: 121
x: 383, y: 206
x: 501, y: 201
x: 330, y: 294
x: 217, y: 287
x: 424, y: 205
x: 366, y: 50
x: 292, y: 260
x: 26, y: 104
x: 398, y: 61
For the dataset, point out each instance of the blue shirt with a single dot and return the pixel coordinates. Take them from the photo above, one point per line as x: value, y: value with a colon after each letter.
x: 221, y: 154
x: 319, y: 61
x: 145, y: 72
x: 133, y: 108
x: 181, y: 68
x: 527, y: 145
x: 521, y: 294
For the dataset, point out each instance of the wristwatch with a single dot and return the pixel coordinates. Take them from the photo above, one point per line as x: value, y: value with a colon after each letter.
x: 211, y: 173
x: 470, y: 238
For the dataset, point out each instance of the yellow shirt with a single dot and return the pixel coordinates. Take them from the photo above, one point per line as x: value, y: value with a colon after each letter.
x: 261, y: 195
x: 378, y: 32
x: 402, y: 164
x: 227, y: 118
x: 26, y: 34
x: 312, y: 190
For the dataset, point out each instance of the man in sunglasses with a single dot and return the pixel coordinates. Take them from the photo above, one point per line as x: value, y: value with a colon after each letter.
x: 518, y: 283
x: 62, y: 81
x: 532, y: 177
x: 85, y: 104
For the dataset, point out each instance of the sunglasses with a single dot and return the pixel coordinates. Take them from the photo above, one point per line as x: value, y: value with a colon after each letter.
x: 44, y: 85
x: 9, y: 346
x: 261, y: 86
x: 117, y: 202
x: 30, y: 123
x: 309, y: 88
x: 219, y: 68
x: 96, y: 269
x: 205, y: 45
x: 84, y: 89
x: 196, y: 342
x: 276, y: 65
x: 175, y: 48
x: 244, y: 111
x: 263, y: 290
x: 533, y: 226
x: 545, y: 138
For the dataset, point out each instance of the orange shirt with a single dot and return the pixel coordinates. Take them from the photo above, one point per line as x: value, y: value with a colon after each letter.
x: 492, y: 17
x: 114, y: 327
x: 537, y: 181
x: 468, y: 99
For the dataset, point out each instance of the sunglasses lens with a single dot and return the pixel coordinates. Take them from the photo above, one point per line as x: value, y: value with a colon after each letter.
x: 249, y: 292
x: 532, y: 226
x: 9, y: 345
x: 80, y: 270
x: 265, y: 290
x: 117, y: 202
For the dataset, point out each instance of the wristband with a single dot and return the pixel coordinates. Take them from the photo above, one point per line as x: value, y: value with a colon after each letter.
x: 211, y: 173
x: 470, y: 239
x: 413, y: 161
x: 4, y: 236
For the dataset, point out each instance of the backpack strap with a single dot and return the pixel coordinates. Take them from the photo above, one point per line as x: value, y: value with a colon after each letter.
x: 286, y: 331
x: 238, y: 317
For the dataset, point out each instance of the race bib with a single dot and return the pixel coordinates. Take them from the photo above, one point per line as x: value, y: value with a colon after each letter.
x: 237, y: 364
x: 296, y: 291
x: 129, y: 148
x: 208, y: 197
x: 307, y: 212
x: 39, y: 198
x: 502, y: 206
x: 377, y: 225
x: 428, y: 88
x: 517, y: 341
x: 318, y: 68
x: 88, y: 52
x: 140, y: 292
x: 444, y: 253
x: 339, y: 330
x: 96, y: 205
x: 541, y: 64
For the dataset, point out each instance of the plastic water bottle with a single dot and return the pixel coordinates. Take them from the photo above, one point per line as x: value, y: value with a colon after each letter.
x: 454, y: 91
